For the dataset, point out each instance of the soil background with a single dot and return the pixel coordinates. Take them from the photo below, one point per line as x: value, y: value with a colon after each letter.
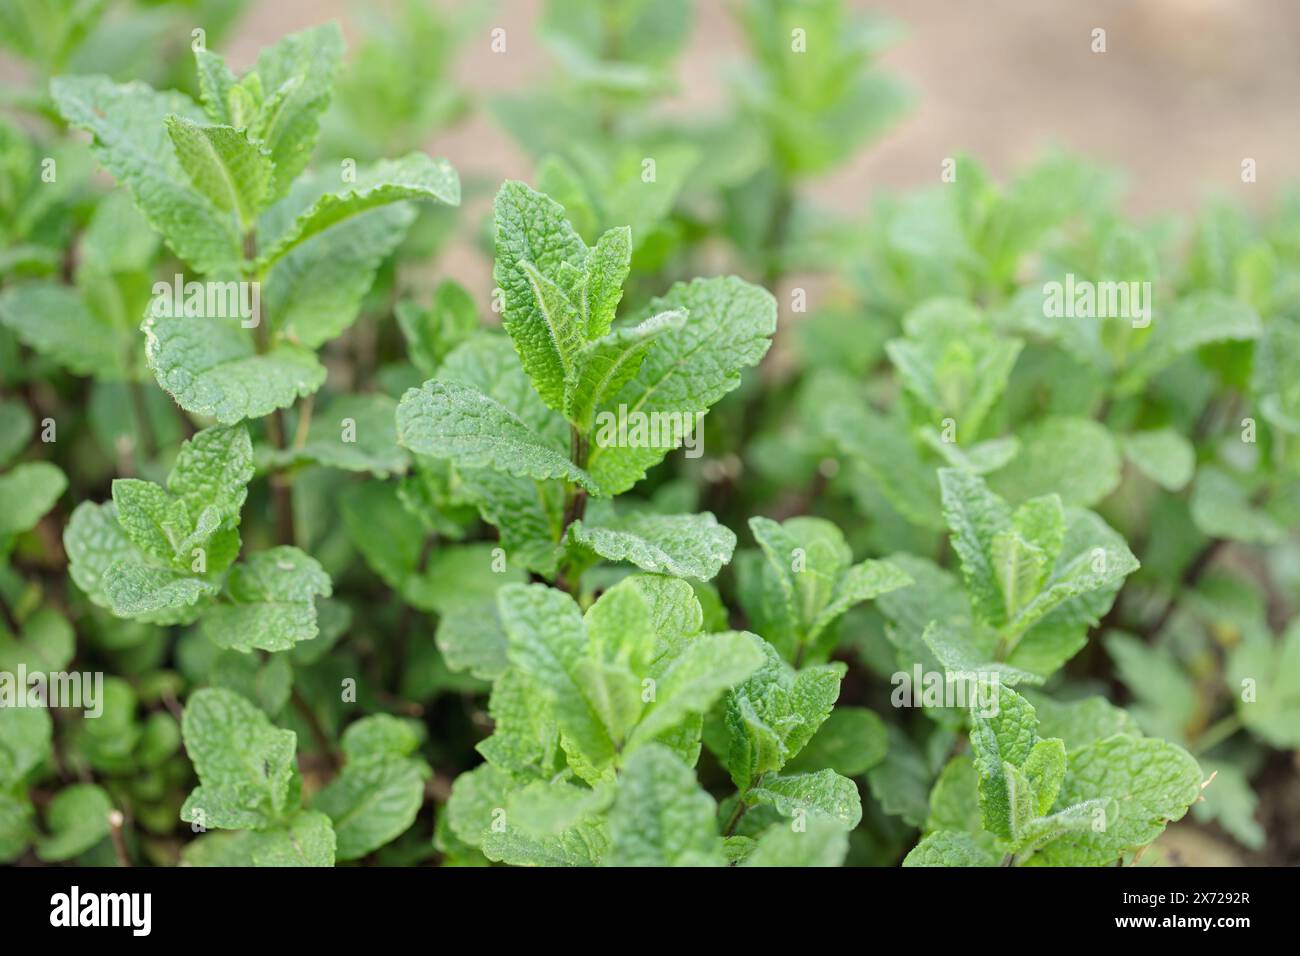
x: 1185, y: 90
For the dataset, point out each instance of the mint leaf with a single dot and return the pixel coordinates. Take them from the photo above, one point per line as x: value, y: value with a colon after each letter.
x: 949, y: 848
x: 55, y: 321
x: 728, y: 328
x: 1075, y: 458
x: 305, y: 840
x: 692, y: 679
x: 272, y: 607
x: 30, y: 490
x: 77, y: 819
x: 603, y: 366
x: 532, y: 240
x: 851, y: 741
x: 446, y: 420
x: 372, y: 802
x: 823, y: 791
x: 1151, y: 783
x: 1163, y: 455
x: 1264, y: 674
x: 687, y: 546
x: 660, y: 816
x: 999, y: 741
x: 130, y: 139
x: 607, y: 266
x: 547, y: 639
x: 823, y: 842
x: 213, y: 469
x: 245, y: 765
x: 976, y: 516
x: 415, y: 176
x: 224, y: 166
x: 297, y: 74
x: 211, y: 367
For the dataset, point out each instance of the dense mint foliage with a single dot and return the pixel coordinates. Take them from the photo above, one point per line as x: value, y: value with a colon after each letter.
x: 715, y: 529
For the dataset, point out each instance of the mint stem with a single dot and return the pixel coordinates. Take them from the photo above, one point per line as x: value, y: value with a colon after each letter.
x: 281, y: 482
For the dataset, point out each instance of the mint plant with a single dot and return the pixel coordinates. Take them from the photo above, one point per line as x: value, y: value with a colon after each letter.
x: 523, y: 435
x: 324, y: 551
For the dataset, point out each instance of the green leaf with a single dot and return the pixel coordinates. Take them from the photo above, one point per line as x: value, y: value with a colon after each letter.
x: 29, y: 490
x: 1264, y: 676
x: 16, y: 427
x: 1198, y: 319
x: 694, y: 678
x: 1044, y: 769
x: 1081, y: 722
x: 686, y: 546
x: 47, y: 643
x: 1080, y: 587
x: 211, y: 367
x: 1221, y: 508
x: 477, y: 815
x: 472, y: 639
x: 728, y: 328
x: 215, y: 83
x: 823, y: 842
x: 156, y: 522
x: 548, y: 808
x: 26, y: 742
x: 532, y: 240
x: 661, y: 816
x: 976, y: 516
x: 149, y: 593
x: 851, y: 741
x: 244, y: 763
x: 354, y: 433
x: 1163, y: 455
x: 1003, y: 739
x: 949, y: 848
x: 272, y: 607
x: 414, y: 176
x: 860, y: 582
x: 952, y: 363
x: 1230, y: 801
x: 77, y: 819
x: 1151, y: 783
x: 447, y: 420
x: 1167, y: 701
x: 1019, y: 568
x: 233, y: 173
x: 774, y: 713
x: 314, y: 291
x: 380, y: 736
x: 547, y: 641
x: 607, y: 267
x: 307, y: 839
x: 300, y: 69
x: 603, y: 366
x: 372, y: 802
x: 1075, y: 458
x: 823, y: 791
x: 16, y: 827
x: 130, y: 139
x: 55, y: 321
x: 432, y: 333
x: 214, y: 469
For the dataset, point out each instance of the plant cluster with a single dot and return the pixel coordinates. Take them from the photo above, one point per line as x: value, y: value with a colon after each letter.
x: 975, y: 567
